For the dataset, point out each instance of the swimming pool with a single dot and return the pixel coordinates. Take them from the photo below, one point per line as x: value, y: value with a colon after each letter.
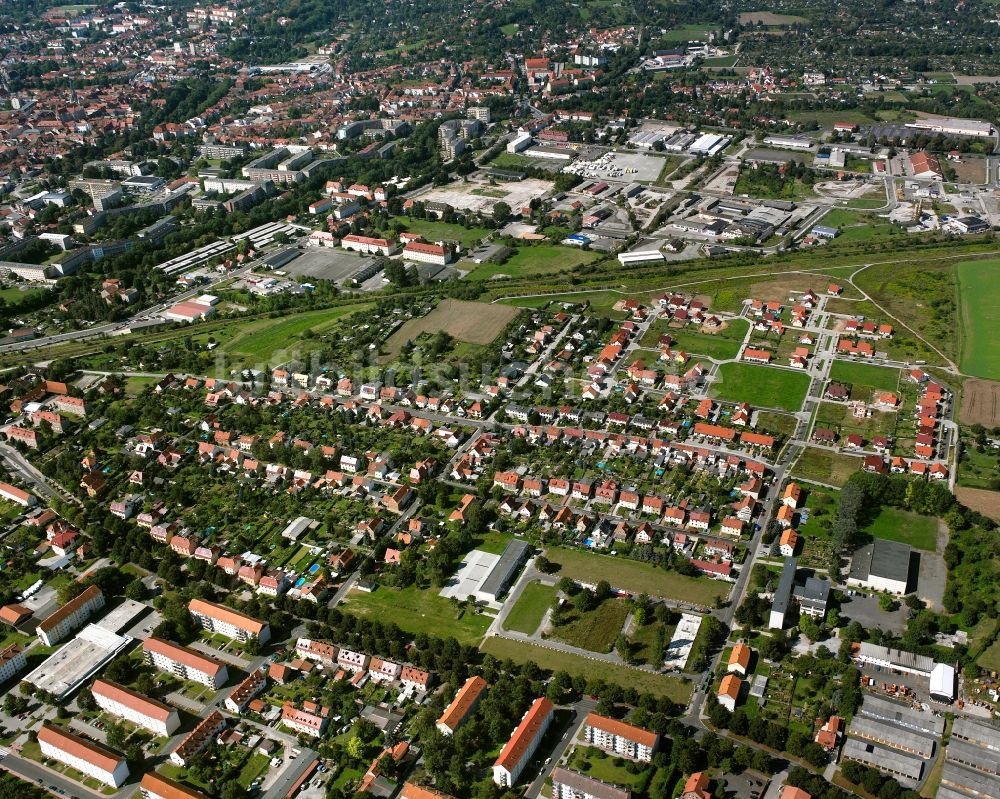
x: 300, y: 582
x: 314, y: 568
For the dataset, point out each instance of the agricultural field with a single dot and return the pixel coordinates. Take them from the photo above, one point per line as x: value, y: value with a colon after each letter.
x: 770, y: 18
x: 530, y: 608
x: 418, y: 610
x: 762, y: 386
x: 825, y: 467
x: 877, y: 378
x: 981, y: 500
x: 980, y: 403
x: 979, y: 315
x: 637, y: 577
x: 894, y: 524
x: 673, y: 688
x: 471, y: 322
x: 528, y: 261
x: 258, y: 341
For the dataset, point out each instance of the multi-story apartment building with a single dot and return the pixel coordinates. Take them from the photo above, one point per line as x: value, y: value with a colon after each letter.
x: 320, y: 651
x: 140, y: 710
x: 352, y: 661
x: 623, y: 739
x: 464, y: 704
x: 184, y: 663
x: 156, y: 786
x: 71, y: 616
x: 569, y: 784
x: 12, y: 660
x: 201, y: 736
x: 87, y: 757
x: 237, y: 701
x: 311, y: 722
x: 228, y: 622
x: 523, y: 743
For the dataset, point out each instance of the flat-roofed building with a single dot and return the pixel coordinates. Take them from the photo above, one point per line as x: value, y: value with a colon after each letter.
x: 523, y: 742
x: 569, y: 784
x: 140, y: 710
x: 229, y: 622
x: 623, y: 739
x: 87, y: 757
x: 156, y: 786
x: 184, y: 663
x: 782, y: 600
x: 466, y: 700
x: 504, y: 571
x: 71, y: 616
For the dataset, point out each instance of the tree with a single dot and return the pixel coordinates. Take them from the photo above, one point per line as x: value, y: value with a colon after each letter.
x: 886, y: 602
x: 501, y: 213
x: 116, y: 735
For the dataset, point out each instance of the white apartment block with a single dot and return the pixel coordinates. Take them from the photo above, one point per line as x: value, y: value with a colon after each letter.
x: 625, y: 740
x: 71, y: 616
x: 184, y: 663
x: 352, y: 661
x: 523, y: 742
x: 85, y: 756
x: 12, y: 660
x: 158, y: 718
x: 228, y: 622
x: 156, y: 786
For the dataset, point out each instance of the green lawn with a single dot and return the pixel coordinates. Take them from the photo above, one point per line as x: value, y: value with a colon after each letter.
x: 262, y: 338
x: 530, y: 608
x: 635, y: 576
x: 824, y: 466
x: 595, y: 630
x: 674, y: 688
x: 606, y: 767
x: 492, y: 542
x: 419, y: 610
x: 15, y: 294
x: 894, y: 524
x: 136, y: 385
x: 670, y: 164
x: 539, y: 259
x: 601, y: 302
x: 721, y: 345
x: 433, y: 230
x: 979, y: 317
x: 878, y: 378
x: 761, y: 386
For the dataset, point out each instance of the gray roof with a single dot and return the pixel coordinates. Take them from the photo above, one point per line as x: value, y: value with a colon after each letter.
x: 891, y: 735
x: 970, y: 782
x: 815, y: 590
x: 980, y: 733
x: 783, y: 593
x: 889, y: 560
x: 972, y: 756
x: 499, y: 577
x: 587, y: 785
x: 876, y: 707
x: 884, y: 759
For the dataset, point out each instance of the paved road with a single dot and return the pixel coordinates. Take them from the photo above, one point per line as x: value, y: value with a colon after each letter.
x: 43, y: 486
x: 580, y: 710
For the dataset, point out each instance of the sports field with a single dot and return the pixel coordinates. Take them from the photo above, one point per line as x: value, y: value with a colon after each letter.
x: 880, y: 378
x: 635, y: 576
x: 674, y: 688
x: 260, y: 339
x: 979, y: 316
x: 471, y: 322
x: 761, y: 386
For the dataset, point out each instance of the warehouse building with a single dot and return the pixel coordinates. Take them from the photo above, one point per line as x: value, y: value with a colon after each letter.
x: 882, y: 566
x: 503, y: 572
x: 908, y: 769
x: 876, y: 707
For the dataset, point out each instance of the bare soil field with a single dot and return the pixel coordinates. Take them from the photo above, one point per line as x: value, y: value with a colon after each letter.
x: 779, y: 290
x: 980, y: 402
x: 972, y: 170
x: 980, y: 499
x: 472, y: 322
